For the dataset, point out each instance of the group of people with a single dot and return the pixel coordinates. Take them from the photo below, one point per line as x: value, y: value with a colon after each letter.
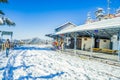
x: 59, y: 45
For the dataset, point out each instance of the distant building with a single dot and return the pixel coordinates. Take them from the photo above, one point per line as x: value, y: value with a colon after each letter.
x: 109, y: 16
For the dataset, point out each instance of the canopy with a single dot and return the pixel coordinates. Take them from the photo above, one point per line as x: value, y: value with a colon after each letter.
x: 110, y: 26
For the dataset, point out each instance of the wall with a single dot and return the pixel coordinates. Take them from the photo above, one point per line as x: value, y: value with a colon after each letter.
x: 65, y: 27
x: 114, y: 42
x: 86, y: 42
x: 104, y: 43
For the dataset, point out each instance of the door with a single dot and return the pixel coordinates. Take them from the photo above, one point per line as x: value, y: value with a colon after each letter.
x: 79, y: 42
x: 97, y: 43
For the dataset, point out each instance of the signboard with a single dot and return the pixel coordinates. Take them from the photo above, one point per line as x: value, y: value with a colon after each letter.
x: 6, y: 33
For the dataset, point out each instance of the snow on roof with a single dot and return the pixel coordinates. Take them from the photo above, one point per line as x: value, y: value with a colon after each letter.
x: 65, y: 26
x: 104, y: 24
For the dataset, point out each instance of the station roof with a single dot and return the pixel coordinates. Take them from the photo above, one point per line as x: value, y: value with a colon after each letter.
x: 104, y: 28
x: 52, y: 35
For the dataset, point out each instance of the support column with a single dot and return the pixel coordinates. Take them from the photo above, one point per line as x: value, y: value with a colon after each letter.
x: 11, y: 37
x: 1, y: 36
x: 92, y: 41
x: 58, y: 40
x: 75, y: 41
x: 91, y: 44
x: 118, y: 46
x: 2, y: 43
x: 64, y: 44
x: 67, y: 40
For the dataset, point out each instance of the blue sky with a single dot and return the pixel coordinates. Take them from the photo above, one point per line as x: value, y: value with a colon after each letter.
x: 35, y: 18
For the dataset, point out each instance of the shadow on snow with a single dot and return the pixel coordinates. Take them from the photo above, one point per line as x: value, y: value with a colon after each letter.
x: 31, y: 48
x: 9, y: 68
x: 40, y: 77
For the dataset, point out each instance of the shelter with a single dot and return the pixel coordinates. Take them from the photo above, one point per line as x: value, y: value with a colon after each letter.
x: 104, y: 29
x: 107, y: 27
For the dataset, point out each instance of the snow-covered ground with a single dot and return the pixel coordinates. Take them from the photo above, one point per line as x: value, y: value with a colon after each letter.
x: 41, y: 63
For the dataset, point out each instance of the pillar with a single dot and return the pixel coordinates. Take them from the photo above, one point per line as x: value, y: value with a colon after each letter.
x: 75, y: 41
x: 92, y: 40
x: 119, y: 46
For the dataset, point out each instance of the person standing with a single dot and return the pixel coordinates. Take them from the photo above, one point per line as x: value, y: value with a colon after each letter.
x: 7, y: 46
x: 62, y: 46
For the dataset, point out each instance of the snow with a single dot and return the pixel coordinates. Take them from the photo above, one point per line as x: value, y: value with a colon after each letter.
x: 39, y: 62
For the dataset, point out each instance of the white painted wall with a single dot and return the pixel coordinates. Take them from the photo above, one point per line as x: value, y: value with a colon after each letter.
x: 115, y: 45
x: 66, y: 26
x: 1, y: 21
x: 69, y: 26
x: 104, y: 43
x: 87, y: 43
x: 114, y: 42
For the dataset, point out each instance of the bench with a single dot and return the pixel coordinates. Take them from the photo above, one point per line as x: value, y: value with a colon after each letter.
x: 108, y: 51
x: 96, y: 49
